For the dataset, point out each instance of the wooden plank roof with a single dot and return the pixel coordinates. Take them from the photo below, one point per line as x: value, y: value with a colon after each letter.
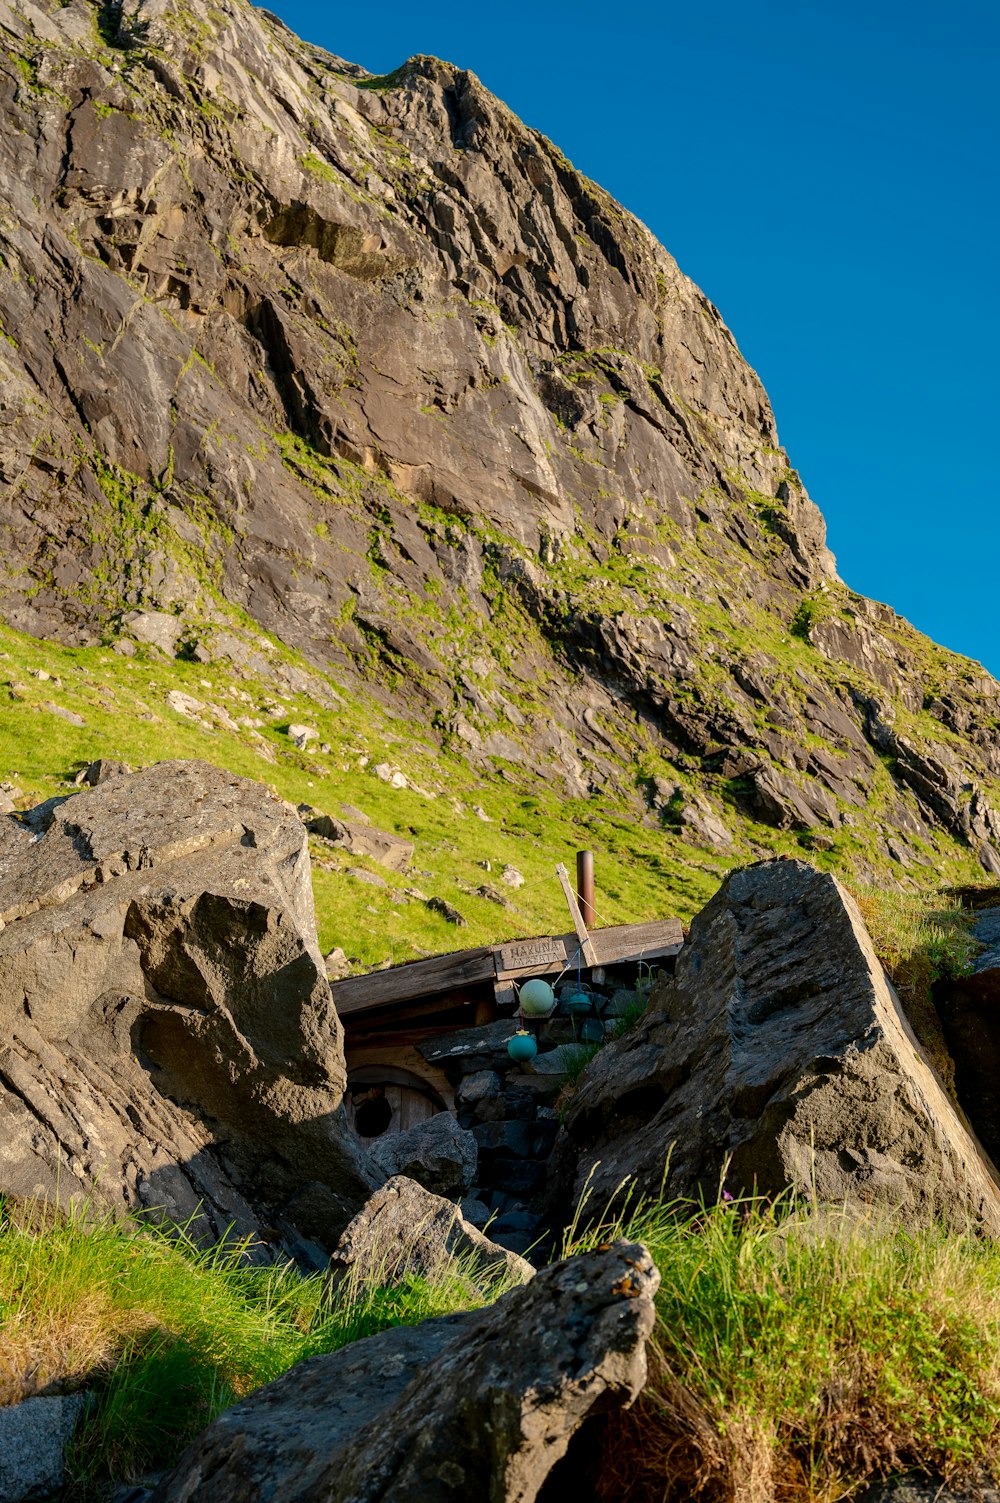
x: 512, y: 961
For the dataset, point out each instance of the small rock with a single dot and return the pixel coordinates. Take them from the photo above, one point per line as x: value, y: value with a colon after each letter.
x: 70, y: 715
x: 558, y: 1061
x: 156, y: 629
x: 451, y: 914
x: 477, y: 1087
x: 512, y: 876
x: 372, y: 878
x: 34, y: 1437
x: 337, y: 964
x: 437, y: 1153
x: 124, y: 648
x: 100, y: 771
x: 474, y: 1212
x: 491, y: 895
x: 354, y: 816
x: 185, y: 704
x: 404, y: 1229
x: 391, y: 775
x: 481, y: 813
x: 301, y: 735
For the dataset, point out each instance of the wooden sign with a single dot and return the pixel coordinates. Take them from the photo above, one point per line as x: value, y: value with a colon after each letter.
x: 531, y: 954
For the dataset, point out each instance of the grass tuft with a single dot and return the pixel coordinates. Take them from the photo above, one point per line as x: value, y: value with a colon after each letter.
x: 798, y: 1352
x: 165, y: 1334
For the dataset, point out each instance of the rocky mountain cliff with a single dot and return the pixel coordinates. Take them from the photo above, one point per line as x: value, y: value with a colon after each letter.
x: 364, y: 365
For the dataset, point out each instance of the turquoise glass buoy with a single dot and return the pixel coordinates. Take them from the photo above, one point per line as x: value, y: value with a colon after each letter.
x: 577, y: 1002
x: 537, y: 999
x: 522, y: 1046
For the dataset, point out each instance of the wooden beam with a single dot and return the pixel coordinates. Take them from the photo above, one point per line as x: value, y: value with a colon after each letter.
x: 463, y: 1000
x: 635, y: 942
x: 441, y: 976
x: 582, y: 935
x: 419, y: 978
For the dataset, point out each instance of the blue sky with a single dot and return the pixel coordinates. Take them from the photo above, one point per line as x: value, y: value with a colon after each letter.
x: 826, y: 173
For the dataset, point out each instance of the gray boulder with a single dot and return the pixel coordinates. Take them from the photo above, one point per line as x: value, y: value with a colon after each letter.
x: 34, y: 1437
x: 917, y: 1488
x: 780, y: 1049
x: 511, y: 1384
x: 404, y: 1229
x: 168, y: 1037
x: 362, y: 839
x: 437, y: 1153
x: 970, y: 1016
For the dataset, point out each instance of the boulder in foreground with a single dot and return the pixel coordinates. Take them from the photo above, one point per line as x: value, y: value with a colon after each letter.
x: 404, y: 1229
x: 778, y: 1045
x: 168, y: 1037
x: 474, y: 1406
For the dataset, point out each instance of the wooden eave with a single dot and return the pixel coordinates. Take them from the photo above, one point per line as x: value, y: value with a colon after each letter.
x: 497, y: 966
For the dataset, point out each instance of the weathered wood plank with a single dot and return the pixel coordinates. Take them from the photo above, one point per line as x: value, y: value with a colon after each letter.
x: 418, y: 978
x: 463, y: 1001
x: 523, y: 954
x: 589, y: 957
x: 638, y: 942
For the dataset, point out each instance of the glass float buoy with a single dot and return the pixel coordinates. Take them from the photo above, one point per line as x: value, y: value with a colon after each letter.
x: 521, y: 1046
x: 537, y: 999
x: 577, y: 1002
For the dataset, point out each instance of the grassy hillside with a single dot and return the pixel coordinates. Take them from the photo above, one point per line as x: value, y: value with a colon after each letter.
x: 64, y: 707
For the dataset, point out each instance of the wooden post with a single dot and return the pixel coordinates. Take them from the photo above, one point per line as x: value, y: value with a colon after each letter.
x: 589, y: 953
x: 585, y: 886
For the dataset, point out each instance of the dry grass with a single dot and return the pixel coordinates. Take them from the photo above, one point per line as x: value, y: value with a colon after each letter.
x: 165, y: 1334
x: 797, y: 1356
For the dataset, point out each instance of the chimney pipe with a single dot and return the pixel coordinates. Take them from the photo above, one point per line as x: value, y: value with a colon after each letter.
x: 585, y: 886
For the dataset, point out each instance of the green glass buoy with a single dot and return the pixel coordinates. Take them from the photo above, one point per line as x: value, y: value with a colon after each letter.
x: 537, y: 999
x: 522, y: 1046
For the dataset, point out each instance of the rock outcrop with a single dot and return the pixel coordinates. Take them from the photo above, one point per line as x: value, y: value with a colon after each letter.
x: 168, y: 1037
x: 404, y: 1229
x: 366, y: 362
x: 969, y: 1007
x: 511, y: 1384
x: 778, y: 1049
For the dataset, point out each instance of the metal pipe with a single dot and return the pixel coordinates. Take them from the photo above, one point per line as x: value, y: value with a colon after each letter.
x: 585, y: 886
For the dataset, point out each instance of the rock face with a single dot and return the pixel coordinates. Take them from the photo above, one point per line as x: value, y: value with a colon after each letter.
x: 970, y: 1015
x: 778, y: 1045
x: 367, y: 360
x: 404, y: 1229
x: 168, y: 1036
x: 437, y: 1153
x: 511, y: 1384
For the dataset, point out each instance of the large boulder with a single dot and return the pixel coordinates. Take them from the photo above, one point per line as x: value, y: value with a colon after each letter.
x: 969, y: 1006
x: 403, y: 1230
x: 169, y: 1041
x: 780, y: 1050
x: 480, y: 1405
x: 437, y: 1153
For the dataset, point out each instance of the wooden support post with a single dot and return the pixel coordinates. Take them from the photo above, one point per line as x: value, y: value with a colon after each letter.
x: 589, y: 953
x: 585, y: 886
